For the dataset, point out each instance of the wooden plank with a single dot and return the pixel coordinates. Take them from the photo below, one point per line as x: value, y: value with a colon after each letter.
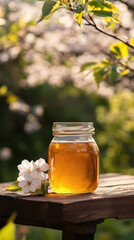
x: 114, y: 198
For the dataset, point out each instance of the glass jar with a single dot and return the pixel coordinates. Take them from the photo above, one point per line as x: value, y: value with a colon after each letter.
x: 73, y: 158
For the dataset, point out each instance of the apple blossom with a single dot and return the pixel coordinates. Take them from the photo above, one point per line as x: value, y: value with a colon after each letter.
x: 41, y: 167
x: 32, y: 177
x: 26, y: 166
x: 28, y: 184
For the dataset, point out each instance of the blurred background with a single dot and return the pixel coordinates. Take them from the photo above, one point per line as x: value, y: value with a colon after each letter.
x: 41, y: 82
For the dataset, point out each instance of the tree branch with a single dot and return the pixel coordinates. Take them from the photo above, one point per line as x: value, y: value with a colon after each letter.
x: 92, y: 23
x: 127, y: 67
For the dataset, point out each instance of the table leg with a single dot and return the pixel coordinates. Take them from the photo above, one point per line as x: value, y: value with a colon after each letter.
x: 82, y: 231
x: 73, y: 236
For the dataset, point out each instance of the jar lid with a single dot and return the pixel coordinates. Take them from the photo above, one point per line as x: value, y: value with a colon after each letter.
x: 73, y: 128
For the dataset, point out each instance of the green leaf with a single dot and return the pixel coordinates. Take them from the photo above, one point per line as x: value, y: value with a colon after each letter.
x: 100, y: 74
x: 109, y: 5
x: 48, y: 9
x: 78, y: 9
x: 102, y: 8
x: 14, y: 187
x: 78, y: 14
x: 101, y: 1
x: 102, y: 5
x: 114, y: 73
x: 44, y: 187
x: 116, y: 51
x: 119, y: 49
x: 88, y: 66
x: 101, y: 13
x: 8, y: 232
x: 78, y: 17
x: 109, y: 23
x: 125, y: 72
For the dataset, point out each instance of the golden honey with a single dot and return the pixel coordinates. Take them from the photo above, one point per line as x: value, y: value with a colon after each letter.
x: 74, y: 167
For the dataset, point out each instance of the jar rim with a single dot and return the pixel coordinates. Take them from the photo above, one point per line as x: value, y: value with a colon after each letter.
x: 73, y: 128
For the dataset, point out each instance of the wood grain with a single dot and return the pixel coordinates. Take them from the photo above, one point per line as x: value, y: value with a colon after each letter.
x: 114, y: 198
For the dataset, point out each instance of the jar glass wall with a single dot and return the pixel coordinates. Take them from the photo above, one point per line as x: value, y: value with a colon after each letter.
x: 73, y: 158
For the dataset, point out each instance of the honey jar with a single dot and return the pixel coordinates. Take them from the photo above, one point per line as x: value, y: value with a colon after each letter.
x: 73, y: 158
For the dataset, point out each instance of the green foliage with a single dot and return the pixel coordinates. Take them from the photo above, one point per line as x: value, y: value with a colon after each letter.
x: 102, y: 9
x: 114, y: 68
x: 80, y: 8
x: 48, y: 9
x: 43, y: 233
x: 117, y: 133
x: 14, y: 187
x: 44, y: 187
x: 78, y: 17
x: 115, y: 229
x: 119, y: 50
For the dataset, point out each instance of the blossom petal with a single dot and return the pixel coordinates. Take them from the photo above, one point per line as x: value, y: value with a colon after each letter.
x: 40, y: 162
x: 42, y: 176
x: 27, y: 176
x: 37, y: 182
x: 46, y: 176
x: 26, y: 164
x: 45, y: 167
x: 34, y: 174
x: 33, y: 187
x: 22, y: 184
x: 22, y: 173
x: 26, y: 189
x: 33, y: 166
x: 20, y: 167
x: 20, y: 178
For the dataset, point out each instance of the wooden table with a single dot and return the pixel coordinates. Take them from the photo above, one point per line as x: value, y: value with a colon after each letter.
x: 77, y: 215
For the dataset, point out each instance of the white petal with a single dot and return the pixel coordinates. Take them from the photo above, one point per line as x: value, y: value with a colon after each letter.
x: 22, y: 184
x: 27, y: 176
x: 33, y: 187
x: 45, y: 167
x: 33, y: 166
x: 20, y: 178
x: 26, y: 189
x: 22, y: 173
x: 20, y: 167
x: 37, y: 183
x: 34, y: 174
x: 26, y: 164
x: 46, y: 176
x: 40, y: 162
x: 42, y: 176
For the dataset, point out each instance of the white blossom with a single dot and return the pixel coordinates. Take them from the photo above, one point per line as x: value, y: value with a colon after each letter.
x: 26, y: 167
x: 40, y: 169
x: 28, y: 184
x: 31, y: 174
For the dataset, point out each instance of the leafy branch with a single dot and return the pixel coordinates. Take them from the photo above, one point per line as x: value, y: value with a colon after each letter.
x: 118, y: 64
x: 91, y: 22
x: 84, y: 9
